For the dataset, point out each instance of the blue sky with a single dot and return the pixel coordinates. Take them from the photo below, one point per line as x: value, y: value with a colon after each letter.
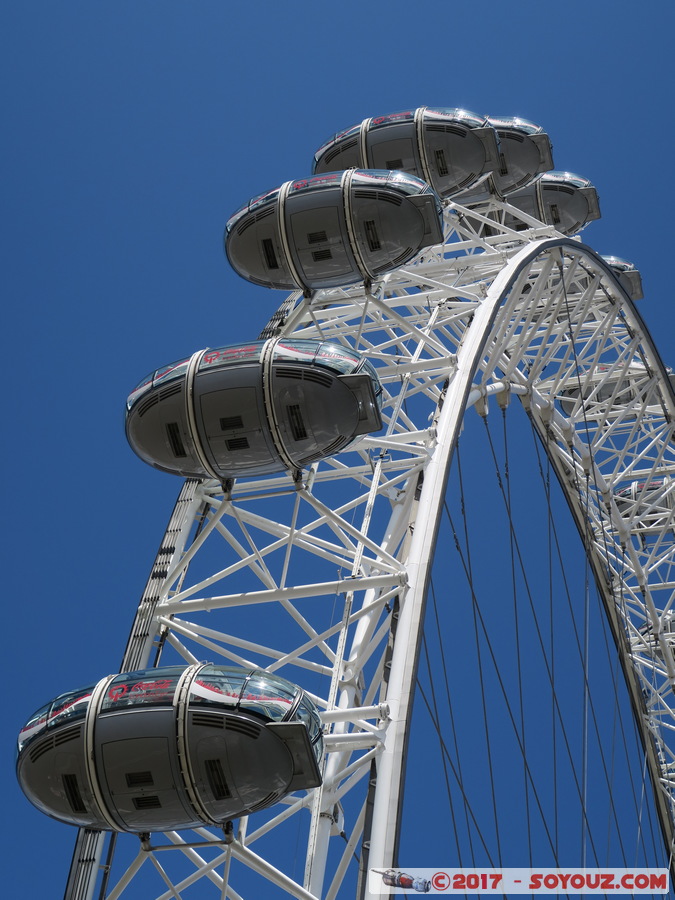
x: 131, y: 131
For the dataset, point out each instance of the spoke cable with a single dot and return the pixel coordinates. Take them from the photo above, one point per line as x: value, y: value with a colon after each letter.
x: 505, y: 694
x: 535, y: 620
x: 450, y: 706
x: 612, y: 658
x: 436, y: 717
x: 516, y: 618
x: 455, y: 773
x: 484, y: 705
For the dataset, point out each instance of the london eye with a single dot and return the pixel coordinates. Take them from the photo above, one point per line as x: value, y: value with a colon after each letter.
x: 263, y: 712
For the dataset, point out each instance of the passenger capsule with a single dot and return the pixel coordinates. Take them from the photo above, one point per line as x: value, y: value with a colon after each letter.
x: 561, y: 199
x: 649, y: 503
x: 252, y: 409
x: 169, y: 748
x: 606, y: 393
x: 627, y: 275
x: 333, y: 230
x: 524, y: 152
x: 666, y: 629
x: 448, y: 148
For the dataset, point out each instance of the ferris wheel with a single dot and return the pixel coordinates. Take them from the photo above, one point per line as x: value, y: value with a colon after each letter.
x: 259, y: 728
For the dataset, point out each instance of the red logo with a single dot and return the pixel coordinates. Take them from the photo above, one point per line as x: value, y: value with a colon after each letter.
x: 440, y: 881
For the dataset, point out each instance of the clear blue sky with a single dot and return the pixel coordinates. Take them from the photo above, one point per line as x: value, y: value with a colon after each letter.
x: 131, y: 131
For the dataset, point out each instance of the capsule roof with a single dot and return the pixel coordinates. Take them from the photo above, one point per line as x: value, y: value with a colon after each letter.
x: 515, y: 123
x: 449, y: 148
x: 334, y: 229
x: 455, y: 150
x: 252, y: 409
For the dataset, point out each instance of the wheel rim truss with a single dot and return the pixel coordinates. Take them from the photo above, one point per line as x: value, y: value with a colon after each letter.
x: 339, y: 557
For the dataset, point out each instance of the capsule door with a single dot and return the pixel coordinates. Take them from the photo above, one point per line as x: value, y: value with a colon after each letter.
x: 318, y: 236
x: 232, y: 423
x: 392, y: 144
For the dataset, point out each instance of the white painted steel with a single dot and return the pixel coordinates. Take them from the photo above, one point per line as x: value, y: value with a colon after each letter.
x: 307, y: 577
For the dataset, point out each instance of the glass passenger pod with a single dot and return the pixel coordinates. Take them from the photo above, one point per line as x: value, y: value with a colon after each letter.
x: 627, y: 275
x: 650, y: 637
x: 334, y: 229
x: 648, y: 504
x: 525, y: 151
x: 307, y: 400
x: 599, y: 386
x: 625, y: 388
x: 172, y: 747
x: 450, y: 148
x: 561, y: 199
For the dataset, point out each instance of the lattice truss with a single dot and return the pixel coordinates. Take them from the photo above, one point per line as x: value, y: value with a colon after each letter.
x: 306, y: 574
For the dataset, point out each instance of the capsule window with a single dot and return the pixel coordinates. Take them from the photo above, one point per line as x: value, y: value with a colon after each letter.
x: 72, y: 705
x: 215, y: 687
x: 154, y: 687
x: 271, y: 260
x: 296, y: 422
x: 337, y: 357
x: 34, y: 726
x: 173, y: 370
x: 371, y: 235
x: 217, y: 780
x: 175, y: 440
x: 73, y: 795
x: 233, y: 355
x: 292, y: 350
x: 268, y: 696
x: 308, y: 715
x: 441, y: 163
x: 138, y: 391
x: 367, y: 367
